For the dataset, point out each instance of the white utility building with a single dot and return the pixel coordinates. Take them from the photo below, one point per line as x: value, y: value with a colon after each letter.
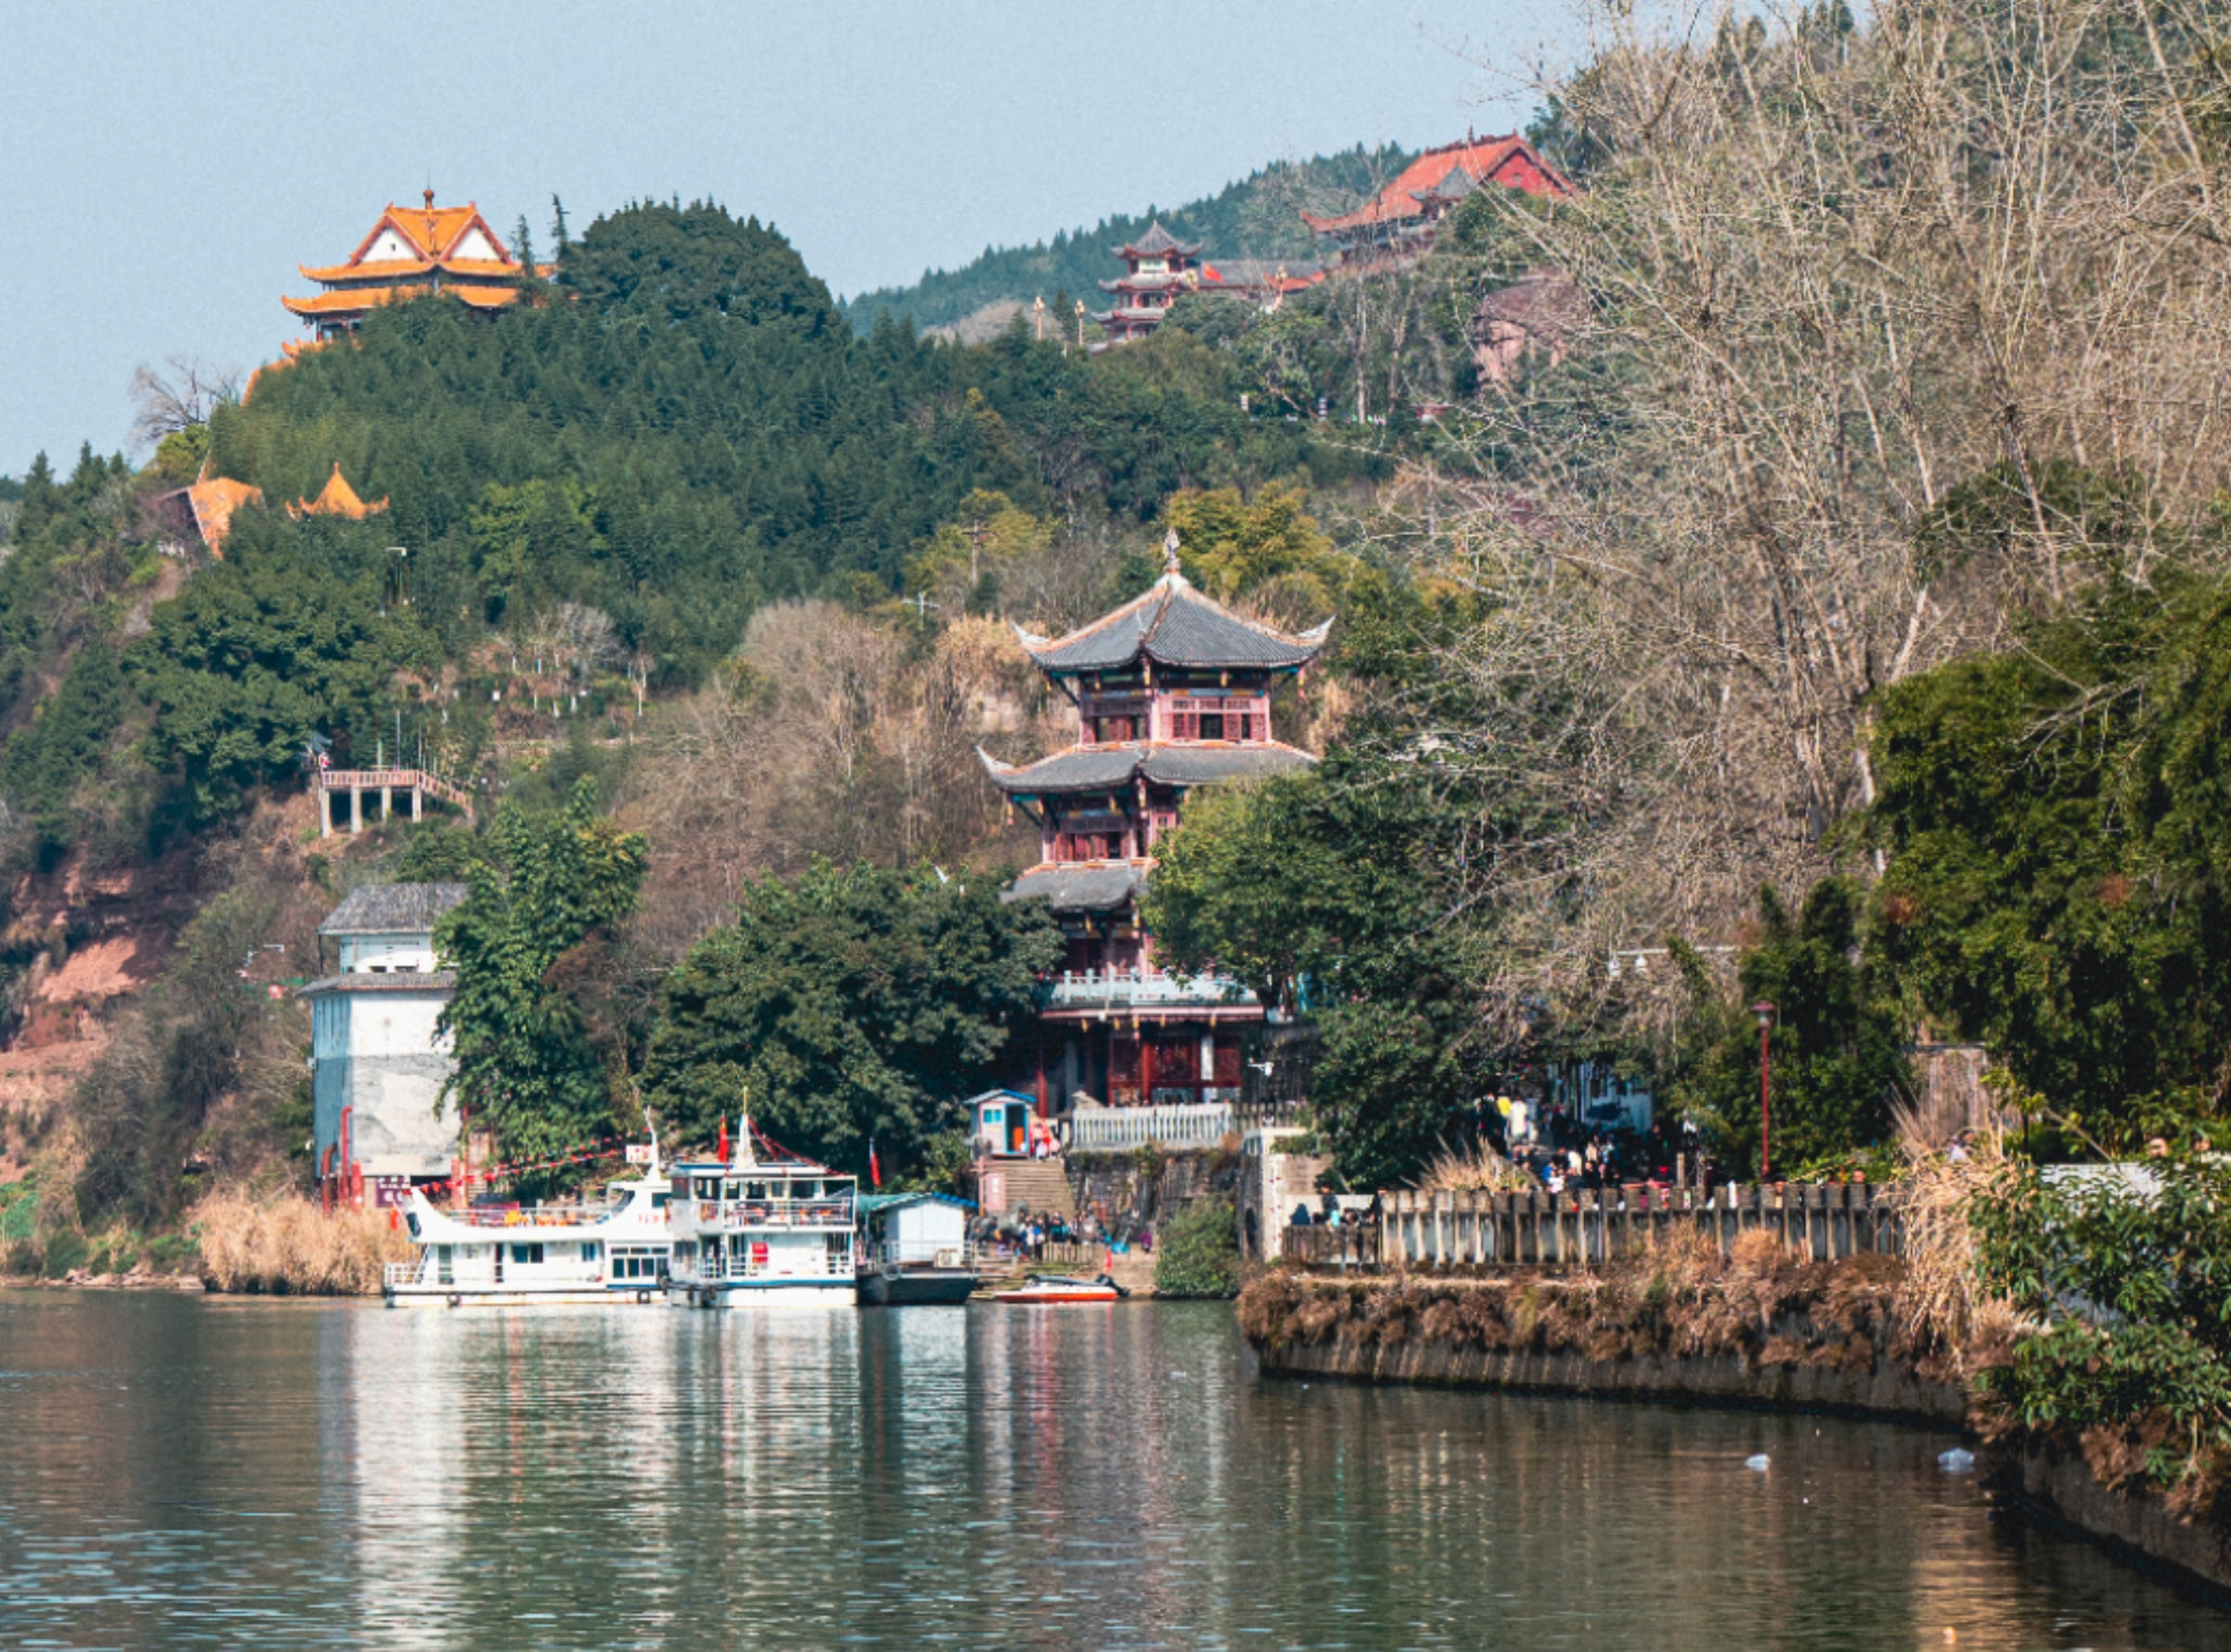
x: 378, y: 1065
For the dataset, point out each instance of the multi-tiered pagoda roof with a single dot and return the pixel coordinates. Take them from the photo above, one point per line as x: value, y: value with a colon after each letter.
x: 1173, y: 690
x: 412, y: 251
x: 1172, y: 624
x: 1175, y: 627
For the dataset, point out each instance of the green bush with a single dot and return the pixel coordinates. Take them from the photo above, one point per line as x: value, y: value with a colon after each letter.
x: 2133, y: 1352
x: 1199, y: 1254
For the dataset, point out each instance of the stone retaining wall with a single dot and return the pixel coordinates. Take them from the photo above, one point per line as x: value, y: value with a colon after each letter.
x: 1881, y: 1391
x: 2056, y: 1486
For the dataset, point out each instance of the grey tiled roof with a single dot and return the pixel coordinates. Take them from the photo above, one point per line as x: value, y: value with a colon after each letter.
x: 400, y: 981
x: 1158, y: 240
x: 394, y: 909
x: 1173, y: 625
x: 1081, y: 769
x: 1205, y: 765
x: 1455, y: 184
x: 1104, y: 769
x: 1078, y: 889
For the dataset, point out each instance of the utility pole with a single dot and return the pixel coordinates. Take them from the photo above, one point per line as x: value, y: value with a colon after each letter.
x: 1765, y: 1013
x: 975, y: 532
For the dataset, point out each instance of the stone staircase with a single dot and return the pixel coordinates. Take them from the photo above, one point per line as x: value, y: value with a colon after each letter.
x: 1040, y: 1184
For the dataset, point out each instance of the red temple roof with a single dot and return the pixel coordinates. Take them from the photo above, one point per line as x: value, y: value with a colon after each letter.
x: 1510, y: 161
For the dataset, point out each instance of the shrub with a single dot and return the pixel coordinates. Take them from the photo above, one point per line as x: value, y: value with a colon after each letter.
x: 1199, y: 1254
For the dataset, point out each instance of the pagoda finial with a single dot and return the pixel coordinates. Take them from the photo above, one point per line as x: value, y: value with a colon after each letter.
x: 1170, y: 552
x: 430, y: 200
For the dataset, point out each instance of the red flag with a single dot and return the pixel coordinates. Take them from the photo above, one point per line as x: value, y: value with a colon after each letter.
x: 724, y: 1138
x: 875, y: 1170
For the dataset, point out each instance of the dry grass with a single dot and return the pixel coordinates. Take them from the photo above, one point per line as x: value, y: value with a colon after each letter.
x: 1942, y: 1311
x: 1683, y: 1299
x: 291, y: 1247
x: 1480, y: 1169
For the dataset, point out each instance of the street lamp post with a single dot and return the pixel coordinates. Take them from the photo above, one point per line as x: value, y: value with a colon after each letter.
x: 1765, y: 1011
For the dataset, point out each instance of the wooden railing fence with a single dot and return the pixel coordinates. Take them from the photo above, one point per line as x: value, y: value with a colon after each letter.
x: 1818, y: 1222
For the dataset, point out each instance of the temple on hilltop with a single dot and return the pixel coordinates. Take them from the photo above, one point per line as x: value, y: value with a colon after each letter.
x: 336, y: 498
x: 1159, y: 268
x: 1402, y: 219
x: 1172, y: 690
x: 412, y: 251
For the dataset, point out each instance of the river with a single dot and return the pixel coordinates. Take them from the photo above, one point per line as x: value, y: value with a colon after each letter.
x: 179, y: 1472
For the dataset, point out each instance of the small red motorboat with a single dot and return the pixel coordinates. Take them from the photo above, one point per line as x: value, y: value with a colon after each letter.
x: 1059, y: 1290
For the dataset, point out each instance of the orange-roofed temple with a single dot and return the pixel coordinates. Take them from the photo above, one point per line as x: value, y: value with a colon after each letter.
x: 412, y: 251
x: 1402, y: 219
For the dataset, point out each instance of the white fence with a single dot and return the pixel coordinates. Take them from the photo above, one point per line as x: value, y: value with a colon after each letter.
x: 1139, y: 987
x: 1119, y: 1129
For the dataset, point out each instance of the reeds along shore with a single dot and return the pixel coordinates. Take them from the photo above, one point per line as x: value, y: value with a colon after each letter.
x: 1683, y: 1299
x: 291, y: 1247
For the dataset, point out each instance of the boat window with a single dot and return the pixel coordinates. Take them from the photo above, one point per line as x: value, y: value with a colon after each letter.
x: 590, y: 1250
x: 524, y: 1254
x: 658, y: 1200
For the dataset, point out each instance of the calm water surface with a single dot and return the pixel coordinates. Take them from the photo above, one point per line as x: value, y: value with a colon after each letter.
x: 181, y: 1473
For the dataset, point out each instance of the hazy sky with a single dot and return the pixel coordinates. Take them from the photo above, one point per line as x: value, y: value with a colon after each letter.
x: 165, y: 167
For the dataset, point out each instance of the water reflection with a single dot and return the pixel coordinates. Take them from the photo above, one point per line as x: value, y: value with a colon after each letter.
x: 182, y: 1472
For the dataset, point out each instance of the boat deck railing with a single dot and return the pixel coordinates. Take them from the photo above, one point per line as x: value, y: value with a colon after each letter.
x: 896, y: 1258
x: 765, y: 1212
x: 533, y: 1215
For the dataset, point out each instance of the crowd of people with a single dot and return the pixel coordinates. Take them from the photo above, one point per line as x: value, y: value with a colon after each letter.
x: 1563, y: 1155
x: 1024, y: 1233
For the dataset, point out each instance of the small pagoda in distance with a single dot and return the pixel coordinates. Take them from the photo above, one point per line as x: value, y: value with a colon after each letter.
x: 412, y: 251
x: 1157, y: 268
x: 1173, y: 690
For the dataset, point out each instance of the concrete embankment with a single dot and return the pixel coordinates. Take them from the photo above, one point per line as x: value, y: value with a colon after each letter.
x: 1810, y: 1336
x: 1825, y: 1336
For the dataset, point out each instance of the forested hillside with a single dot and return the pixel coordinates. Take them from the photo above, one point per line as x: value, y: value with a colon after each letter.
x: 1797, y: 560
x: 1259, y: 216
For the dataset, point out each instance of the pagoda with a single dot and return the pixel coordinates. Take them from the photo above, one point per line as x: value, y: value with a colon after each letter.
x: 1157, y: 268
x: 1171, y: 692
x: 410, y: 252
x: 1401, y: 221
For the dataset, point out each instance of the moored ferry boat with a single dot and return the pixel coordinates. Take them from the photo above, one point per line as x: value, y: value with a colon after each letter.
x: 614, y: 1252
x: 762, y: 1227
x: 916, y: 1250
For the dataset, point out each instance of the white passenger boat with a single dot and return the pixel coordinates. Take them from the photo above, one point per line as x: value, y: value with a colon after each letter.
x: 761, y: 1228
x: 613, y: 1252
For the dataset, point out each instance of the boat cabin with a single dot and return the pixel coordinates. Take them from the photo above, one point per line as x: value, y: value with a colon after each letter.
x: 763, y: 1226
x: 505, y: 1255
